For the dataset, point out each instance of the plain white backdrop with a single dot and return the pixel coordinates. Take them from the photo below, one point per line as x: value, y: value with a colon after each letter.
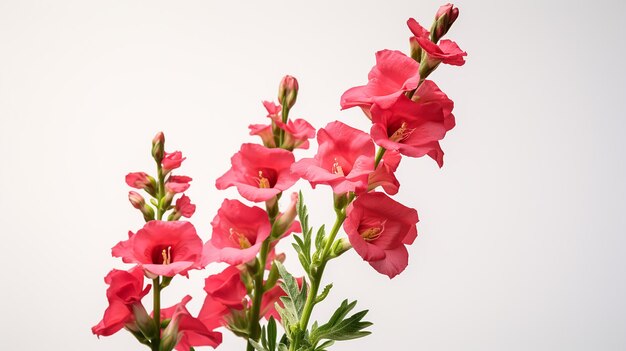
x: 522, y: 235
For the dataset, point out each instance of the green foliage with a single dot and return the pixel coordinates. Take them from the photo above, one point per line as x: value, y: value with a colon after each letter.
x: 339, y: 327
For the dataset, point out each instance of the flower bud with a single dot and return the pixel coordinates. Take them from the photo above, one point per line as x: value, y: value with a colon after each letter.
x: 141, y: 180
x: 416, y: 49
x: 285, y: 219
x: 158, y: 147
x: 445, y: 17
x: 288, y: 91
x: 139, y: 203
x: 144, y: 323
x: 136, y: 200
x: 339, y: 247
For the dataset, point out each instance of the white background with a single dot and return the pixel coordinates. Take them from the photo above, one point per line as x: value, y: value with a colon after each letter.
x: 522, y: 235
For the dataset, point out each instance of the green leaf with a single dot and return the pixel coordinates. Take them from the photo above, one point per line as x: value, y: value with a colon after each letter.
x: 271, y: 334
x: 257, y: 346
x: 339, y: 327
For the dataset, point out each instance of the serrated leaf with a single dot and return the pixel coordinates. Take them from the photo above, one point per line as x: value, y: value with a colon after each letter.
x: 339, y: 327
x: 319, y: 238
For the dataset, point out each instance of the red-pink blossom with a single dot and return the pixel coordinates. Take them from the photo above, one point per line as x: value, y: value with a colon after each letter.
x: 379, y: 228
x: 172, y: 160
x: 177, y: 184
x: 227, y: 287
x: 393, y: 75
x: 410, y: 128
x: 258, y: 172
x: 139, y: 180
x: 163, y: 248
x: 125, y: 290
x: 447, y: 51
x: 344, y: 159
x: 238, y: 233
x: 265, y: 132
x: 185, y: 207
x: 384, y: 175
x: 213, y: 312
x: 186, y: 331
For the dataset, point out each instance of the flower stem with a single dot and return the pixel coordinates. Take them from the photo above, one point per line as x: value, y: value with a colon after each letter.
x: 316, y: 277
x: 285, y: 117
x: 379, y: 156
x: 254, y: 330
x: 156, y: 312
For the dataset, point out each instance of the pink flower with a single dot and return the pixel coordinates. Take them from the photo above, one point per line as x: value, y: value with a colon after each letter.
x: 265, y: 132
x: 213, y: 312
x: 429, y: 93
x: 379, y: 228
x: 259, y: 173
x: 125, y: 290
x: 408, y: 127
x: 140, y: 180
x: 162, y: 248
x: 344, y: 159
x: 185, y: 207
x: 177, y: 184
x: 238, y: 233
x: 297, y: 134
x: 393, y: 75
x: 274, y: 111
x: 227, y: 287
x: 384, y: 174
x: 172, y: 161
x: 447, y: 51
x: 186, y: 331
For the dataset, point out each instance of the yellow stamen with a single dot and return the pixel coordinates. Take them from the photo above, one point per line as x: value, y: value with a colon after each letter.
x: 371, y: 233
x: 167, y: 255
x: 242, y: 240
x: 402, y: 133
x: 337, y: 168
x: 264, y: 183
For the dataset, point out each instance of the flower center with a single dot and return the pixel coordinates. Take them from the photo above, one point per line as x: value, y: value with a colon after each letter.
x: 167, y: 255
x: 373, y: 233
x: 336, y: 169
x: 263, y: 182
x: 239, y: 239
x: 401, y: 133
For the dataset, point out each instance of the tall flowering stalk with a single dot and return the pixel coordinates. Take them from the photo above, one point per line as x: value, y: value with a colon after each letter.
x: 410, y: 115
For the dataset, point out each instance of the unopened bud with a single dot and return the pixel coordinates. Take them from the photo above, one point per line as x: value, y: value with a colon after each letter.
x: 284, y: 220
x: 158, y: 147
x: 340, y: 246
x: 445, y: 17
x: 169, y: 338
x: 144, y: 323
x: 136, y: 200
x: 416, y: 49
x: 288, y: 91
x: 139, y: 203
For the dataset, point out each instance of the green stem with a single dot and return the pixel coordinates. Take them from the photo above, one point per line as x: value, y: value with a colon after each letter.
x: 156, y: 312
x: 160, y: 192
x: 316, y: 277
x: 379, y: 156
x: 255, y: 328
x: 285, y: 117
